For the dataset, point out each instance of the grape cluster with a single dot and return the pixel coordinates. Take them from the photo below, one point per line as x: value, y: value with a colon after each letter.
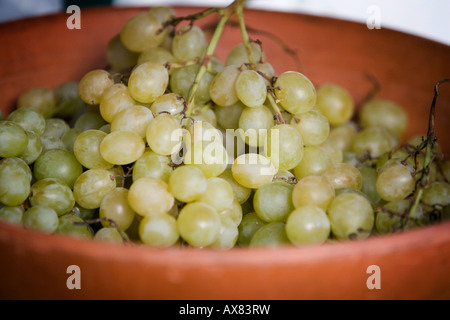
x: 171, y: 146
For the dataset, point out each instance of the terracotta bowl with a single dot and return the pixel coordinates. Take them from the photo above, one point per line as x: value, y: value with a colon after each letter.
x: 412, y: 265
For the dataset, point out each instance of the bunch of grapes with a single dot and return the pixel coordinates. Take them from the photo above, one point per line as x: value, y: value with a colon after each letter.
x: 169, y: 146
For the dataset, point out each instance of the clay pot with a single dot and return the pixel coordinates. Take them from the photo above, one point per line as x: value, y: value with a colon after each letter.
x: 412, y: 265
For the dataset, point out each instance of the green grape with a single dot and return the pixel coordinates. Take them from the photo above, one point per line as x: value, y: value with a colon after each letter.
x: 222, y: 89
x: 157, y: 55
x: 119, y: 174
x: 14, y: 182
x: 373, y: 140
x: 91, y: 186
x: 69, y: 104
x: 251, y: 88
x: 189, y: 43
x: 141, y: 32
x: 272, y: 234
x: 152, y: 165
x: 159, y: 230
x: 266, y: 69
x: 228, y: 234
x: 115, y: 206
x: 296, y: 92
x: 16, y: 163
x: 93, y: 84
x: 110, y: 235
x: 284, y: 146
x: 254, y: 124
x: 28, y: 119
x: 211, y: 158
x: 34, y: 148
x: 351, y: 215
x: 12, y: 215
x: 394, y: 216
x: 234, y: 212
x: 67, y: 225
x: 343, y: 175
x: 335, y: 103
x: 218, y: 194
x: 135, y: 118
x: 253, y: 170
x: 89, y: 120
x: 53, y: 194
x: 250, y: 223
x: 115, y: 99
x: 163, y: 13
x: 122, y: 147
x: 86, y: 149
x: 187, y: 183
x: 83, y: 213
x: 168, y: 102
x: 50, y: 143
x: 313, y: 190
x: 313, y: 126
x: 14, y: 139
x: 369, y: 179
x: 314, y: 162
x: 308, y: 225
x: 437, y: 194
x: 228, y: 117
x: 163, y: 134
x: 238, y: 55
x: 241, y: 193
x: 445, y: 170
x: 384, y: 113
x: 199, y: 224
x: 204, y: 114
x: 273, y: 201
x: 148, y: 81
x: 395, y: 180
x: 40, y: 99
x: 69, y: 138
x: 55, y: 127
x: 40, y: 218
x: 118, y: 56
x: 343, y: 136
x: 150, y: 196
x: 334, y: 152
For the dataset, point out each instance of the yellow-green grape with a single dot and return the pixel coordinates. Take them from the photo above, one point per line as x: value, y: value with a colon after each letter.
x: 118, y: 56
x: 211, y: 158
x: 198, y: 224
x: 296, y: 92
x: 14, y: 139
x: 335, y: 103
x: 314, y: 162
x: 204, y: 114
x: 159, y: 230
x: 250, y: 223
x: 148, y: 81
x: 158, y: 55
x: 241, y: 193
x: 222, y: 89
x: 16, y: 163
x: 86, y: 149
x: 119, y: 174
x: 115, y: 99
x: 135, y: 118
x: 313, y: 190
x: 373, y: 140
x: 267, y: 70
x: 55, y: 127
x: 238, y: 55
x: 89, y: 120
x: 334, y: 152
x: 40, y: 218
x: 254, y: 124
x: 272, y: 234
x: 313, y: 126
x: 12, y: 214
x: 150, y: 196
x: 251, y: 88
x: 115, y: 206
x: 395, y: 216
x: 29, y: 120
x: 14, y: 182
x: 351, y: 216
x: 50, y: 142
x: 162, y: 13
x: 91, y: 186
x: 369, y: 179
x: 234, y: 212
x: 164, y: 134
x: 40, y: 99
x: 93, y: 84
x: 34, y: 148
x: 187, y: 183
x: 343, y: 136
x: 343, y: 175
x: 228, y: 117
x: 218, y: 194
x: 68, y: 101
x: 308, y: 225
x: 395, y: 180
x: 110, y: 235
x: 182, y: 80
x: 437, y: 194
x: 384, y: 113
x: 152, y: 165
x: 168, y: 102
x: 74, y: 226
x: 189, y: 43
x: 284, y: 146
x: 253, y: 170
x: 52, y: 193
x: 273, y: 201
x: 228, y: 234
x: 141, y: 32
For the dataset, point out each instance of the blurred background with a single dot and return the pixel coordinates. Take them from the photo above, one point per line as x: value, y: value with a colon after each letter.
x: 425, y: 18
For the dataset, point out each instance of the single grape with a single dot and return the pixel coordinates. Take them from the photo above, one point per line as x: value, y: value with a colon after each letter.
x: 14, y: 139
x: 55, y: 127
x: 118, y: 56
x: 313, y: 190
x: 343, y: 136
x: 373, y: 140
x: 69, y: 138
x: 168, y: 102
x: 313, y: 126
x: 159, y: 230
x: 40, y: 218
x: 115, y: 206
x: 40, y: 99
x: 34, y: 148
x: 272, y: 234
x: 74, y: 226
x: 113, y: 100
x: 164, y: 135
x: 314, y: 162
x: 241, y: 193
x: 273, y: 201
x: 29, y: 119
x: 135, y: 118
x: 148, y: 81
x: 150, y: 196
x: 14, y: 182
x: 384, y: 113
x: 308, y: 225
x: 437, y: 194
x: 343, y: 175
x: 187, y: 183
x: 86, y: 149
x: 89, y: 120
x: 156, y: 55
x: 335, y: 103
x: 251, y: 88
x: 53, y: 194
x: 234, y: 212
x: 222, y: 89
x: 189, y: 43
x: 93, y: 84
x: 228, y: 117
x: 250, y: 223
x: 152, y: 165
x: 369, y: 179
x: 218, y: 194
x: 122, y: 147
x: 254, y: 124
x: 295, y: 91
x: 110, y: 235
x: 253, y: 170
x: 91, y: 186
x: 12, y: 214
x: 395, y: 180
x: 228, y: 234
x: 238, y: 55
